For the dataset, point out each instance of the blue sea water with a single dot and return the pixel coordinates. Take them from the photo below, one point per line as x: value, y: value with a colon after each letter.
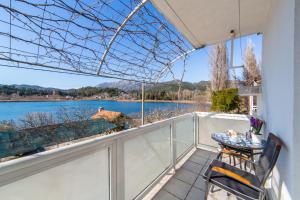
x: 17, y: 110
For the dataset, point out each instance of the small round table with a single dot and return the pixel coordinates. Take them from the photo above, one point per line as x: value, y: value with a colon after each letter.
x: 238, y: 144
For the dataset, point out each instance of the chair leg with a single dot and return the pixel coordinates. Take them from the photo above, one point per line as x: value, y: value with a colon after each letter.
x: 212, y: 188
x: 241, y: 164
x: 234, y: 162
x: 207, y: 190
x: 251, y: 167
x: 262, y: 196
x: 252, y: 161
x: 207, y: 185
x: 219, y: 156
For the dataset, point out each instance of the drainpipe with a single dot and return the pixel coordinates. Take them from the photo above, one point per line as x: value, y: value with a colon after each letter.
x: 143, y: 97
x: 232, y: 33
x: 251, y: 105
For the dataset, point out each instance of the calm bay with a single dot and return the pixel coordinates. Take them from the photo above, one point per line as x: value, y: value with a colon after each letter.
x: 17, y: 110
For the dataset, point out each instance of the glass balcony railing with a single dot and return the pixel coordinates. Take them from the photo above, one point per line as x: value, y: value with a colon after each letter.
x: 124, y: 165
x: 119, y: 166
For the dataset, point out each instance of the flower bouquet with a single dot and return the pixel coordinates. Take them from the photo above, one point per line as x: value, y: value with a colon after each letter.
x: 255, y: 125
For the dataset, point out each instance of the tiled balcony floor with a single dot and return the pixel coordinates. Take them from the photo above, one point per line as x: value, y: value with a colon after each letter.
x: 187, y: 183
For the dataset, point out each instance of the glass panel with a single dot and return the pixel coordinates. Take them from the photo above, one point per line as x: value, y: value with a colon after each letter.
x: 14, y: 143
x: 219, y: 123
x: 86, y: 178
x: 146, y: 156
x: 184, y: 135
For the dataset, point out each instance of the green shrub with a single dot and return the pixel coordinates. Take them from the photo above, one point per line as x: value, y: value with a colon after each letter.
x: 225, y: 100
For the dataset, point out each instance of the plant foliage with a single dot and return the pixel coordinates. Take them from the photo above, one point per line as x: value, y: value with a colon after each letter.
x: 225, y: 100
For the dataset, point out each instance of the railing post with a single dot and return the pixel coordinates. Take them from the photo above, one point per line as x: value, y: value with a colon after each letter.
x: 113, y: 170
x: 196, y: 129
x: 173, y: 144
x: 118, y: 186
x: 143, y: 102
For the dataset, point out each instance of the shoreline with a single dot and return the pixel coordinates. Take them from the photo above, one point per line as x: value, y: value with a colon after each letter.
x: 38, y: 100
x: 119, y: 100
x: 158, y: 101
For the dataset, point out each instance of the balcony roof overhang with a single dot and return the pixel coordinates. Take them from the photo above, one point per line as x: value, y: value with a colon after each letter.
x: 204, y: 22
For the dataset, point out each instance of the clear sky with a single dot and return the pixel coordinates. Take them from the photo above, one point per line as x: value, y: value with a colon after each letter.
x: 197, y: 70
x: 197, y: 66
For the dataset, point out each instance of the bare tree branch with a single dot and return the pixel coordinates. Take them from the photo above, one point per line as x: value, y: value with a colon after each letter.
x: 251, y: 71
x: 219, y: 67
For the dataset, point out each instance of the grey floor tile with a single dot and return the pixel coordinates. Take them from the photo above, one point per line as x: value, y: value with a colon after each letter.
x: 213, y: 156
x: 205, y: 168
x: 195, y: 194
x: 208, y: 162
x: 188, y: 184
x: 200, y: 183
x: 178, y: 188
x: 202, y: 153
x: 186, y: 176
x: 198, y: 159
x: 192, y: 166
x: 164, y: 195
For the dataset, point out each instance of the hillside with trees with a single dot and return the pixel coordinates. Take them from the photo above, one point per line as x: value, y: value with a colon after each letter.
x: 169, y: 91
x: 160, y: 91
x: 19, y: 92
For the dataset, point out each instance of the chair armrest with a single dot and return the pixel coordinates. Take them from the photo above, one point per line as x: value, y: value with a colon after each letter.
x: 233, y: 176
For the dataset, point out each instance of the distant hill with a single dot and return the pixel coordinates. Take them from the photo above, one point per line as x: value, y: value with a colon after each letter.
x: 122, y: 85
x: 167, y: 86
x: 33, y: 90
x: 119, y: 89
x: 172, y: 86
x: 35, y: 87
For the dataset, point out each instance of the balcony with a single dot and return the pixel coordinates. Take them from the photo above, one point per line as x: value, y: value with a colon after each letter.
x: 133, y: 163
x: 163, y: 160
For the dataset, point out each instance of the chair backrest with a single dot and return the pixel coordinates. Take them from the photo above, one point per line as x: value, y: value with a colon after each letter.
x: 268, y: 158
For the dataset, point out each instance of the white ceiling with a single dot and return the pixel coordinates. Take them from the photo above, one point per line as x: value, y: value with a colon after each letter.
x: 205, y: 22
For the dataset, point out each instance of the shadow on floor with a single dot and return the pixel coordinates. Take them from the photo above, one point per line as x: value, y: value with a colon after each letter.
x: 187, y: 183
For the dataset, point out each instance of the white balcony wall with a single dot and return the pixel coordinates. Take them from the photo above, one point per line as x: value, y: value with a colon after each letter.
x: 209, y: 123
x: 281, y: 93
x: 85, y: 178
x: 296, y: 113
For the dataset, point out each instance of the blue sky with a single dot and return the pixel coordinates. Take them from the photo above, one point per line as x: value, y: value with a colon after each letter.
x: 197, y: 70
x: 197, y: 63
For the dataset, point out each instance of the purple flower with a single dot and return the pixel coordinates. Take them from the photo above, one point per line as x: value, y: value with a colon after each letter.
x: 252, y: 121
x: 256, y: 123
